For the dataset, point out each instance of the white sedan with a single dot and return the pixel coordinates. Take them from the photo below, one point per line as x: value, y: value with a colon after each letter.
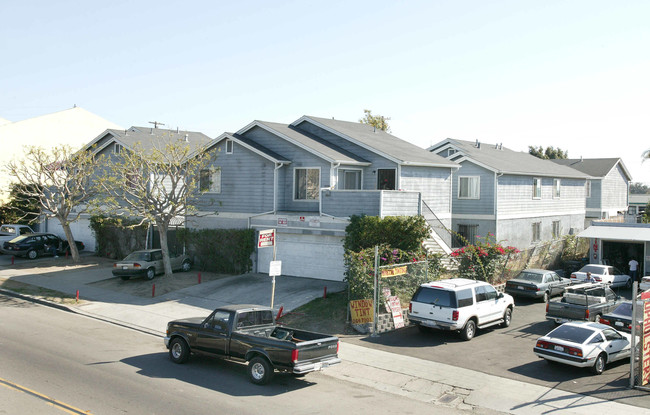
x: 584, y: 344
x: 602, y: 273
x: 645, y: 284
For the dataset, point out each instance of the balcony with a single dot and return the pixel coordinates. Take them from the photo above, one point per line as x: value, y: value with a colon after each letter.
x: 382, y: 203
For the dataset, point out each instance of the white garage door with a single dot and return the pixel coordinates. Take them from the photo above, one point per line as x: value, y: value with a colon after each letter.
x: 310, y: 256
x: 80, y: 230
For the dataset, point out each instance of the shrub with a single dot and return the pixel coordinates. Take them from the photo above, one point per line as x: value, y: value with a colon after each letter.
x: 481, y: 260
x: 117, y: 237
x: 401, y: 232
x: 220, y: 250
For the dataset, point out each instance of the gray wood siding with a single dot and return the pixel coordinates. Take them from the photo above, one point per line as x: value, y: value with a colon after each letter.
x: 396, y: 203
x: 482, y: 206
x: 378, y: 162
x: 345, y: 203
x: 246, y: 182
x: 593, y: 202
x: 433, y: 183
x: 519, y: 232
x: 299, y: 158
x: 616, y: 189
x: 515, y: 197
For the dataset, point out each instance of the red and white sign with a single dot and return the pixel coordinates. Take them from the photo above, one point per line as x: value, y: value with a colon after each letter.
x: 645, y: 355
x: 396, y: 310
x: 283, y: 221
x: 266, y: 238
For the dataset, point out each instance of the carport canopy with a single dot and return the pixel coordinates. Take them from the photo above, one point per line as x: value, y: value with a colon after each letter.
x: 618, y: 233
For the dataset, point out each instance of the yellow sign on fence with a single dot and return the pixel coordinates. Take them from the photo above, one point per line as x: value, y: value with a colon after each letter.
x: 361, y: 311
x: 392, y: 272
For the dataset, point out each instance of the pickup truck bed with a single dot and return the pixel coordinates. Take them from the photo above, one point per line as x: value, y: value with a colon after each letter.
x: 583, y: 302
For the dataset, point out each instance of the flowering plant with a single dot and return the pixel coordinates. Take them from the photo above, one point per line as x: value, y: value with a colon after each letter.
x: 481, y: 260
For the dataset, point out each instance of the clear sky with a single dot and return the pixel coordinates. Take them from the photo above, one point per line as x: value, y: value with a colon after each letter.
x: 568, y: 74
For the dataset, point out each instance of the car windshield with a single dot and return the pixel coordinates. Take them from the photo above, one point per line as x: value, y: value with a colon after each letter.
x: 571, y: 333
x: 529, y: 276
x: 137, y: 256
x: 593, y: 269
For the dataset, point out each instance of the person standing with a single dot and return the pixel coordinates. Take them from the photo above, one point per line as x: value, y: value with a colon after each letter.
x: 634, y: 265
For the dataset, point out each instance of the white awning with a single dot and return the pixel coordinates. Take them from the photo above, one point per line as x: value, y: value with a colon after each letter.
x: 617, y: 233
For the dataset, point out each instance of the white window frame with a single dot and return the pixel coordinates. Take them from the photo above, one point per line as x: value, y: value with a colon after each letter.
x: 537, y: 231
x: 588, y: 189
x: 537, y: 185
x: 342, y: 182
x: 117, y: 148
x: 215, y: 181
x: 557, y: 188
x: 476, y: 194
x: 307, y: 199
x: 556, y: 228
x: 230, y: 146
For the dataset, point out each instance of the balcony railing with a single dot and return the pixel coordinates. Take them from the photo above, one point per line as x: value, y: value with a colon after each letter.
x: 345, y: 203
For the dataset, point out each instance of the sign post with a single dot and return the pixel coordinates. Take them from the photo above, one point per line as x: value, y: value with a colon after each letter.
x: 267, y: 239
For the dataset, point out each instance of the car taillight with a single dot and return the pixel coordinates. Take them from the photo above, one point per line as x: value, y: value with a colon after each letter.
x: 587, y: 314
x: 114, y: 264
x: 294, y: 354
x: 454, y: 315
x: 338, y: 344
x: 573, y: 276
x: 136, y: 265
x: 547, y: 307
x: 573, y: 351
x: 542, y: 344
x: 605, y: 321
x: 410, y: 307
x: 598, y: 279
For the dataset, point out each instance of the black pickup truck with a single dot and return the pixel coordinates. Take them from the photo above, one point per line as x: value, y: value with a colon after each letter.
x: 249, y: 333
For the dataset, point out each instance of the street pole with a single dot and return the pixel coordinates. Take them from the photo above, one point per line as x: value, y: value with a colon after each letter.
x: 273, y: 277
x: 374, y: 299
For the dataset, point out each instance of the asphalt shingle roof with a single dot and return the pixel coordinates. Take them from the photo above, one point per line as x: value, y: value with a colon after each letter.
x: 504, y: 160
x: 150, y: 138
x: 593, y: 167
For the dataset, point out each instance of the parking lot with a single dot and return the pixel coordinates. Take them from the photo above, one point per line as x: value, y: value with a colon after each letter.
x: 509, y: 353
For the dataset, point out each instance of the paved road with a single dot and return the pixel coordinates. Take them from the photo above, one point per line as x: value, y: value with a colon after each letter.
x: 54, y: 362
x: 508, y: 353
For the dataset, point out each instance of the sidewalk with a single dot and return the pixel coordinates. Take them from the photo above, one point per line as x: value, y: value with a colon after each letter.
x: 452, y: 389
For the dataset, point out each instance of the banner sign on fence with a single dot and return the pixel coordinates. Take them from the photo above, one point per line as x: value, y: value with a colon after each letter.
x: 645, y: 355
x: 392, y: 272
x: 361, y: 311
x: 396, y: 310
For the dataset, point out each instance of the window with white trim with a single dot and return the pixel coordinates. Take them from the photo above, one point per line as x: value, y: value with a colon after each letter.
x: 469, y: 187
x: 588, y: 188
x: 117, y: 148
x: 210, y: 181
x: 556, y: 229
x: 537, y: 188
x: 306, y: 183
x: 557, y: 186
x: 350, y: 179
x: 229, y: 146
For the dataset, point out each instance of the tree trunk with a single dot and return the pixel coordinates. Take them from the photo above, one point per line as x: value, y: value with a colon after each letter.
x: 73, y: 246
x: 162, y: 231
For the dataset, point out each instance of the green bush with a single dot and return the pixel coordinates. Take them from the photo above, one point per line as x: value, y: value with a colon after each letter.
x: 117, y: 237
x: 220, y: 250
x: 481, y: 260
x: 402, y: 232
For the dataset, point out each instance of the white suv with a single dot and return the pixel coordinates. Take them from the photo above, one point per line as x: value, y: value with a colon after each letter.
x: 461, y: 305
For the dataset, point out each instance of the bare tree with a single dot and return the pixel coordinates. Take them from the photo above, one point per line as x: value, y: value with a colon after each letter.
x: 155, y: 185
x: 58, y: 180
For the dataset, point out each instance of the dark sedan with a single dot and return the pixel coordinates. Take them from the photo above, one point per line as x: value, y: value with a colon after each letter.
x: 537, y: 283
x: 621, y: 317
x: 33, y: 245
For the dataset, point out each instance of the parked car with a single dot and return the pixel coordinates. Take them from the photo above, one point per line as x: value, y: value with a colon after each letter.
x: 249, y: 333
x: 10, y: 231
x: 602, y: 273
x: 621, y: 317
x: 148, y: 263
x: 588, y: 301
x: 644, y: 285
x: 537, y: 283
x: 584, y: 344
x: 460, y: 305
x: 33, y: 245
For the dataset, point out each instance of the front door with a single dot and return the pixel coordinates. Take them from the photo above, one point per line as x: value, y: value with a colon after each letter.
x: 386, y: 179
x: 213, y: 336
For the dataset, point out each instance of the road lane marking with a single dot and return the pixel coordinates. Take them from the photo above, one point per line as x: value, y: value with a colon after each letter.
x: 59, y: 405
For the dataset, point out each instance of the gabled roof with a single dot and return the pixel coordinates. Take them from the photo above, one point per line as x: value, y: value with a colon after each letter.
x: 505, y: 161
x: 150, y: 138
x: 252, y: 146
x: 594, y: 167
x: 379, y: 142
x: 308, y: 142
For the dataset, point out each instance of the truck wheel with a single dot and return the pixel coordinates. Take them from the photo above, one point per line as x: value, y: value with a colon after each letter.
x: 179, y: 351
x: 151, y: 273
x: 260, y: 371
x: 186, y: 266
x: 599, y: 365
x: 469, y: 330
x: 507, y: 318
x: 33, y: 254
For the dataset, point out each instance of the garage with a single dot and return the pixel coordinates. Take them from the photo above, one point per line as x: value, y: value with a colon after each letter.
x: 617, y: 243
x: 80, y: 230
x: 306, y: 255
